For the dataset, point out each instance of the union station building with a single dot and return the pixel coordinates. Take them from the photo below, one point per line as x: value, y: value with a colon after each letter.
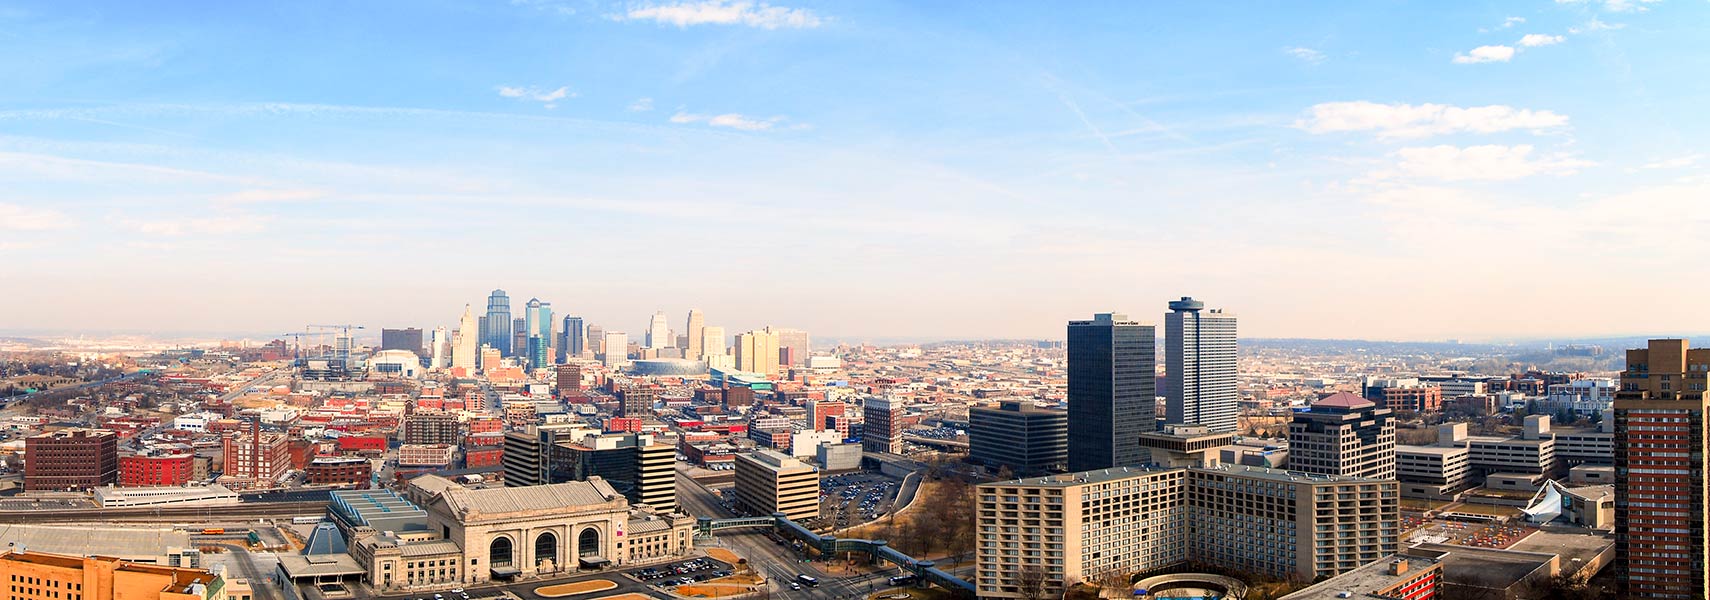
x: 440, y: 533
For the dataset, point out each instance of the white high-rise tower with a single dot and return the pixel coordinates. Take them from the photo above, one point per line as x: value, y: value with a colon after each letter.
x: 440, y: 351
x: 1199, y: 365
x: 659, y: 332
x: 465, y: 342
x: 697, y: 322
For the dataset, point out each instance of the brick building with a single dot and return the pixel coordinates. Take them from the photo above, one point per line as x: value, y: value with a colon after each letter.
x: 155, y: 470
x: 71, y: 459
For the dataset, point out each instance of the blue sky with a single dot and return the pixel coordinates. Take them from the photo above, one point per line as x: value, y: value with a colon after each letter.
x: 1388, y: 170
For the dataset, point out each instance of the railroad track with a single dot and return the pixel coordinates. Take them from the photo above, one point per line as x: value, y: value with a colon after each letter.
x: 174, y: 514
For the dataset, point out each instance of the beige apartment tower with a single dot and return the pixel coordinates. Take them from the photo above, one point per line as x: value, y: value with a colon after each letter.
x: 1117, y: 522
x: 768, y: 482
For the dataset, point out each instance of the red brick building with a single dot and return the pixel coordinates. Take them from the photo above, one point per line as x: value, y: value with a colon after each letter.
x: 142, y: 470
x: 1660, y: 461
x: 349, y: 471
x: 71, y: 459
x: 1424, y: 398
x: 475, y: 458
x: 361, y: 443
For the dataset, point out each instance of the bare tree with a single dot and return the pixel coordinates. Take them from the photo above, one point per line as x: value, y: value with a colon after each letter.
x: 1030, y: 582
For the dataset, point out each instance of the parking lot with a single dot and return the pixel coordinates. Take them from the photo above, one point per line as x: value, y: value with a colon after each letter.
x: 685, y: 572
x: 855, y: 498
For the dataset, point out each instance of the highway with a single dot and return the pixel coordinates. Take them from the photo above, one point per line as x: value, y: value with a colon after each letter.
x: 780, y: 563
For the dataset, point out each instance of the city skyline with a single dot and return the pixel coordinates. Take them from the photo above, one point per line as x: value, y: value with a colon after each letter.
x: 1325, y: 168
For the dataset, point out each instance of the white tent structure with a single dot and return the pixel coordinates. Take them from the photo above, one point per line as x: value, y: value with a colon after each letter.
x: 1546, y: 505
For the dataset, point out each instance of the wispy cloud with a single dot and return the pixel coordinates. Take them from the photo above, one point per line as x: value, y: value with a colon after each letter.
x: 551, y: 6
x: 1595, y: 25
x: 1485, y: 54
x: 730, y: 120
x: 1619, y: 6
x: 641, y: 105
x: 1534, y: 40
x: 1477, y: 163
x: 724, y: 12
x: 547, y: 98
x: 1422, y: 120
x: 16, y: 217
x: 1507, y: 23
x: 1305, y: 54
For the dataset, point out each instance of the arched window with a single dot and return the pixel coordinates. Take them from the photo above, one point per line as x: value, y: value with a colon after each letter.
x: 546, y: 549
x: 588, y: 543
x: 499, y: 553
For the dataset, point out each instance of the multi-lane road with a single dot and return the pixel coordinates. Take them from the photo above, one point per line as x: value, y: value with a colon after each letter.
x: 781, y: 563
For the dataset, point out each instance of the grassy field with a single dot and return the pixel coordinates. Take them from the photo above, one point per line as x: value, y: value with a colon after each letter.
x: 570, y: 589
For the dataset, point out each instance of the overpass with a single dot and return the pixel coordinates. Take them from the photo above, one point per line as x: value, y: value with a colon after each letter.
x: 876, y: 550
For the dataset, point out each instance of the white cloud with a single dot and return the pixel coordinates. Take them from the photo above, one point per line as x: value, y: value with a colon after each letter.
x: 1595, y: 25
x: 641, y: 105
x: 1413, y: 121
x: 1534, y: 40
x: 547, y: 98
x: 724, y: 12
x: 1507, y: 23
x: 1619, y: 6
x: 1306, y: 54
x: 731, y: 120
x: 14, y: 217
x: 1484, y: 54
x: 1477, y: 163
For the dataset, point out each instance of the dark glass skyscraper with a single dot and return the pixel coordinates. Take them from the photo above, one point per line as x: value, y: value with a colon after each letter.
x: 1112, y: 391
x: 574, y: 341
x: 496, y: 328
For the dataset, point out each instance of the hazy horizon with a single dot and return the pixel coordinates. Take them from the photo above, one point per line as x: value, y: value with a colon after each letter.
x: 1412, y: 171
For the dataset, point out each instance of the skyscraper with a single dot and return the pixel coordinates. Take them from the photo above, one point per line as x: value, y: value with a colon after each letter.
x: 496, y: 328
x: 1199, y: 365
x: 712, y: 342
x: 757, y: 352
x: 797, y: 341
x: 617, y: 349
x: 697, y: 322
x: 538, y: 323
x: 402, y: 339
x: 440, y: 353
x: 596, y: 336
x: 1660, y: 463
x: 1112, y: 391
x: 573, y: 343
x: 659, y: 331
x: 465, y: 342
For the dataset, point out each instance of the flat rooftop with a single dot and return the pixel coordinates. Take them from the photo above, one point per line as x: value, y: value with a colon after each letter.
x: 1439, y: 450
x: 127, y: 543
x: 1366, y: 580
x: 1487, y: 567
x: 1576, y: 549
